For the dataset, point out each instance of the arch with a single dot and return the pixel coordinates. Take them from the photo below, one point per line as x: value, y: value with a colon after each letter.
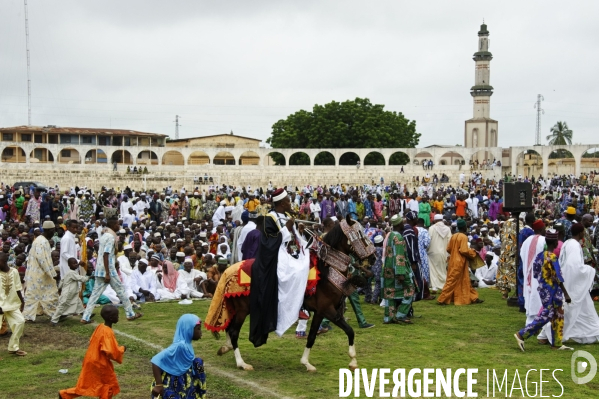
x: 299, y: 158
x: 529, y: 162
x: 224, y: 158
x: 69, y: 155
x: 14, y: 154
x: 249, y: 158
x: 482, y: 159
x: 121, y: 157
x: 41, y: 155
x: 589, y: 160
x: 173, y: 158
x: 374, y: 158
x: 399, y: 158
x: 198, y: 158
x: 324, y: 158
x: 275, y: 158
x: 560, y: 153
x: 421, y: 156
x: 96, y: 156
x: 493, y: 138
x: 147, y: 157
x: 452, y: 158
x: 349, y: 158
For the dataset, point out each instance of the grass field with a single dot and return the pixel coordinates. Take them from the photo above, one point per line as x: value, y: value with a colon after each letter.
x: 477, y: 336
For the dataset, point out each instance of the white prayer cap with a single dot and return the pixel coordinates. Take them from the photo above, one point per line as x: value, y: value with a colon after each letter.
x: 438, y: 216
x: 183, y: 218
x: 484, y: 229
x: 126, y: 247
x: 196, y: 193
x: 142, y: 194
x: 378, y: 239
x: 203, y: 234
x: 173, y: 235
x: 145, y: 261
x: 157, y: 234
x: 179, y: 239
x: 180, y: 254
x: 223, y: 202
x: 48, y: 224
x: 122, y: 231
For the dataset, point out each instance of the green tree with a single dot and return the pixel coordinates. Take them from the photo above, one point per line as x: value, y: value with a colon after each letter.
x: 560, y: 135
x: 350, y: 124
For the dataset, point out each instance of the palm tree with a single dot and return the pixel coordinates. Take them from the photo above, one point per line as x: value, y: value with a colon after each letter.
x: 560, y: 134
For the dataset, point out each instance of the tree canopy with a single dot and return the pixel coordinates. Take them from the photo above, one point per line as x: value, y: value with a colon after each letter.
x: 560, y: 135
x: 350, y: 124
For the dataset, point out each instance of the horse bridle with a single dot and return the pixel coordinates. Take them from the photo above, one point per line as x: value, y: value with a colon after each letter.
x: 361, y: 248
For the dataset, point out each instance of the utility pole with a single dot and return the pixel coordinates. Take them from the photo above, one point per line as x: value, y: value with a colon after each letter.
x: 177, y: 127
x: 28, y: 65
x: 540, y: 111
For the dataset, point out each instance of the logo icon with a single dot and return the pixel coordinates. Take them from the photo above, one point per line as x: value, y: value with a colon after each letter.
x: 579, y: 366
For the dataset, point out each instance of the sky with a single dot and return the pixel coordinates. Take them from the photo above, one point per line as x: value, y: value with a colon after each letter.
x: 243, y: 65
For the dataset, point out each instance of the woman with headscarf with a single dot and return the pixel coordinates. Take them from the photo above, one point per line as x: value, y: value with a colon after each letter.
x: 169, y: 285
x: 177, y: 372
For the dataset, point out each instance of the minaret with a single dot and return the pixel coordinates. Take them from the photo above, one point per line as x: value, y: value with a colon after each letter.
x: 481, y: 130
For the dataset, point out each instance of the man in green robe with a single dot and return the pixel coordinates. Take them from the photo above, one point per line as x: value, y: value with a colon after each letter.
x: 396, y: 282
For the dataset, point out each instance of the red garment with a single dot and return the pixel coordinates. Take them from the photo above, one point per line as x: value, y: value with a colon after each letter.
x: 97, y: 378
x: 213, y: 243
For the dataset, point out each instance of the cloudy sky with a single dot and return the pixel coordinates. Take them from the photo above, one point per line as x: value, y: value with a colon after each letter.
x: 243, y: 65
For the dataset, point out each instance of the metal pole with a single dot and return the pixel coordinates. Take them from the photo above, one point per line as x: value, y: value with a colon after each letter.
x: 28, y: 65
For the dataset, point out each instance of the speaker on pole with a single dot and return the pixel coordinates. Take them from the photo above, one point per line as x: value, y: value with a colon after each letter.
x: 517, y: 197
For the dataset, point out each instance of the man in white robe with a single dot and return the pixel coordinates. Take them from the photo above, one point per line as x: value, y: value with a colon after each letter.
x: 192, y: 277
x: 437, y: 252
x: 530, y: 249
x: 219, y: 215
x: 143, y: 282
x: 251, y: 225
x: 581, y: 323
x: 486, y: 274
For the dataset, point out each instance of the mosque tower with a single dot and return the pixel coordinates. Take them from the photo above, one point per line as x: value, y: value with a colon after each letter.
x: 481, y: 130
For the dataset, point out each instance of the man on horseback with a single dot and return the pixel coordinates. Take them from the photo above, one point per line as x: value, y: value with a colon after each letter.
x: 279, y: 273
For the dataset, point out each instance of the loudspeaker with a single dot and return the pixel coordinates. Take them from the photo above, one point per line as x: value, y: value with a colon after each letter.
x: 517, y: 197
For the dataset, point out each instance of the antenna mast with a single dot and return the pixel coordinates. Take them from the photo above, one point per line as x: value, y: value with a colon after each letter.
x: 28, y: 65
x: 177, y: 127
x: 540, y: 111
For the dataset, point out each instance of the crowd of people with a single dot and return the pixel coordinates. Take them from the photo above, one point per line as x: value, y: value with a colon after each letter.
x: 65, y: 251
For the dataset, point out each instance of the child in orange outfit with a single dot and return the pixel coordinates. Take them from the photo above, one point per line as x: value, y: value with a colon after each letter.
x: 97, y: 378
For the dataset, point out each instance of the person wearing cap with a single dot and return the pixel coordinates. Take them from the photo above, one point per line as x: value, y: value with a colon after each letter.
x: 588, y: 249
x: 567, y: 221
x: 143, y: 282
x: 192, y: 278
x: 529, y: 250
x: 457, y: 288
x: 155, y: 209
x: 251, y: 241
x: 275, y: 303
x: 551, y: 293
x: 377, y: 268
x: 41, y: 292
x: 440, y: 235
x: 397, y: 276
x: 123, y: 260
x: 16, y: 208
x: 581, y: 322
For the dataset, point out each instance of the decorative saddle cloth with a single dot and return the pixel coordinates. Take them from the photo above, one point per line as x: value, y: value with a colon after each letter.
x: 235, y: 282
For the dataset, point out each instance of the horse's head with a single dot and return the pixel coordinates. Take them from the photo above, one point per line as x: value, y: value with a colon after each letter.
x: 348, y: 237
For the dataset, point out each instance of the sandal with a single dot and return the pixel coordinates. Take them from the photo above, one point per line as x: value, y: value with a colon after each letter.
x: 137, y: 316
x: 478, y: 300
x: 564, y: 348
x: 18, y: 353
x: 543, y: 341
x: 82, y: 321
x: 520, y: 342
x: 405, y: 321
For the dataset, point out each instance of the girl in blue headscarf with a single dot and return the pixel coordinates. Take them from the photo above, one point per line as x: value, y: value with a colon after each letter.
x: 177, y: 372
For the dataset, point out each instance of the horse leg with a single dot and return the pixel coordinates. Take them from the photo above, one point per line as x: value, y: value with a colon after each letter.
x: 226, y: 347
x: 234, y: 329
x: 316, y: 320
x: 342, y: 324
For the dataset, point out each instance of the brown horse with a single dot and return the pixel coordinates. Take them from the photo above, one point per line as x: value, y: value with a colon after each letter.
x: 327, y: 301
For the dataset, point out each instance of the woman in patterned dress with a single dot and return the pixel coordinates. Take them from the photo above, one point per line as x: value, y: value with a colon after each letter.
x: 178, y: 373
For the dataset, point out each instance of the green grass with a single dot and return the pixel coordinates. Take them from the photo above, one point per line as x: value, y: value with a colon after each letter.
x: 477, y: 336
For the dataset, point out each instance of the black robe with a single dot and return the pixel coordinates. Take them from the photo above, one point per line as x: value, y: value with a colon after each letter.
x: 264, y: 288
